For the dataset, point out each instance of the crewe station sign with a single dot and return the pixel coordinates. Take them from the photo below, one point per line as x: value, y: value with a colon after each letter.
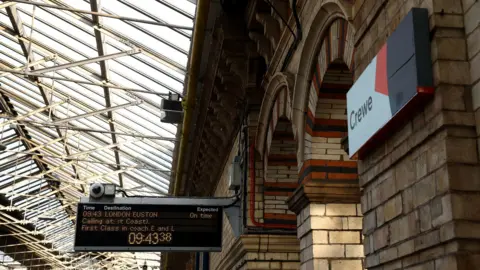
x: 395, y: 84
x: 140, y: 225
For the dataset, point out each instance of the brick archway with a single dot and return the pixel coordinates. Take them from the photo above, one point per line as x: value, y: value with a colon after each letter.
x: 276, y: 168
x: 325, y: 117
x: 326, y: 12
x: 279, y: 162
x: 328, y: 181
x: 276, y: 103
x: 282, y: 108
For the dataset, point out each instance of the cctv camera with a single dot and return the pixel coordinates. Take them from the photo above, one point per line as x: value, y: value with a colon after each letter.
x: 97, y: 190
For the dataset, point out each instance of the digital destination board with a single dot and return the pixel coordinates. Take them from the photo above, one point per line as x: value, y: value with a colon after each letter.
x: 147, y: 227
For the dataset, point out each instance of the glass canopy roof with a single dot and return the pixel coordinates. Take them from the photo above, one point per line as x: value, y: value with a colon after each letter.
x: 80, y: 89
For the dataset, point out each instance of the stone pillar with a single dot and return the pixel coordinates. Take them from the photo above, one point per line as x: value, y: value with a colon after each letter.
x: 421, y: 188
x: 330, y: 234
x: 424, y: 209
x: 261, y: 252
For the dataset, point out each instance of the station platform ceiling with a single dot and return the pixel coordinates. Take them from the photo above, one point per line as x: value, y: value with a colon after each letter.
x: 81, y: 83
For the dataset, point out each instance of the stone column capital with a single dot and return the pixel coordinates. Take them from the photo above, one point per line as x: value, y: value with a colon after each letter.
x: 317, y: 192
x: 256, y: 244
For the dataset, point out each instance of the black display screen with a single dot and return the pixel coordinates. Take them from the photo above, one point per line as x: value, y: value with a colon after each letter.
x: 143, y: 227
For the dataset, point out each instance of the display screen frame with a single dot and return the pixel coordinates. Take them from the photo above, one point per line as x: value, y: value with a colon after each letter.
x: 215, y: 245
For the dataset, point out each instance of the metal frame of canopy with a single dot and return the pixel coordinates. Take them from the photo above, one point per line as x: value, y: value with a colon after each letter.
x: 80, y: 89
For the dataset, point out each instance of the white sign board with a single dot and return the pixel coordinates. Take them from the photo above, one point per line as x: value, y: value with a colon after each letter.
x: 368, y: 110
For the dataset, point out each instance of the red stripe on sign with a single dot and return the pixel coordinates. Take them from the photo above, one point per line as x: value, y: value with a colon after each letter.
x: 381, y: 80
x: 425, y: 90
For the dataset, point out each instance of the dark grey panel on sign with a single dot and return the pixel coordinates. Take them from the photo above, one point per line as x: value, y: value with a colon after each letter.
x: 408, y: 59
x: 400, y: 45
x: 422, y: 48
x: 401, y: 90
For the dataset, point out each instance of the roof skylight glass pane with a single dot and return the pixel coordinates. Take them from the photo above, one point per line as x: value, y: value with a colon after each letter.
x: 97, y: 145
